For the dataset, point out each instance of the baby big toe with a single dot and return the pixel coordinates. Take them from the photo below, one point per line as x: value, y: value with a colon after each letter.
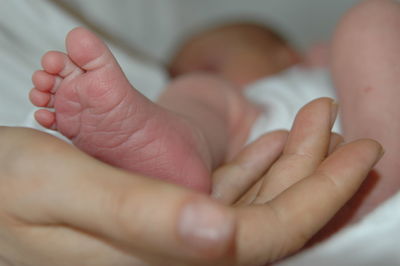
x: 87, y: 50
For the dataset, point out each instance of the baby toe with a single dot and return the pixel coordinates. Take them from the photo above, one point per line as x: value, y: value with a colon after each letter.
x: 46, y: 118
x: 58, y: 63
x: 41, y: 99
x: 45, y: 82
x: 87, y: 50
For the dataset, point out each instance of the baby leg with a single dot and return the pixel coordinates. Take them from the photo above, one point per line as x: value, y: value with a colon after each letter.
x: 366, y: 72
x: 214, y: 105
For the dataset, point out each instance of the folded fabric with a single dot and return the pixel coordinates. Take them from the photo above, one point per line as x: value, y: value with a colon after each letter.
x: 281, y: 97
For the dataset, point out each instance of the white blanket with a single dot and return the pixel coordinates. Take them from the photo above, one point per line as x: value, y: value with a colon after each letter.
x: 282, y: 96
x: 29, y: 28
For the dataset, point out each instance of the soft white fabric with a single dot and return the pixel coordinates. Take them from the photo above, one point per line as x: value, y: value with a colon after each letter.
x: 282, y: 96
x: 372, y: 242
x: 133, y: 21
x: 29, y: 28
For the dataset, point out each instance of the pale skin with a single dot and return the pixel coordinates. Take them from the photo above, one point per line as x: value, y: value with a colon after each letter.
x: 114, y: 222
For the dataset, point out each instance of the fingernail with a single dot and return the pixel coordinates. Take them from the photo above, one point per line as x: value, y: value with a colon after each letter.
x: 334, y: 112
x: 206, y: 228
x: 382, y: 153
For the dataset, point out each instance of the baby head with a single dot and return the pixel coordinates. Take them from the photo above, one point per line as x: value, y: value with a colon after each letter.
x: 240, y: 52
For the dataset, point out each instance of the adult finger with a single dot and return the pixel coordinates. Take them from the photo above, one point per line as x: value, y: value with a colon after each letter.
x: 336, y: 141
x: 332, y: 185
x: 307, y: 146
x: 253, y: 193
x: 148, y: 218
x: 232, y: 180
x: 298, y: 213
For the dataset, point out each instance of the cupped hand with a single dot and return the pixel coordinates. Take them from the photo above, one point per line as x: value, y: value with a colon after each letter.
x: 283, y: 198
x: 61, y: 207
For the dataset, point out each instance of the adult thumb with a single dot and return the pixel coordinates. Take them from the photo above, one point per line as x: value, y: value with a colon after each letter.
x: 145, y: 217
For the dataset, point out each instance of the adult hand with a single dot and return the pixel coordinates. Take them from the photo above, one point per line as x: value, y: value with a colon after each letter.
x: 62, y: 207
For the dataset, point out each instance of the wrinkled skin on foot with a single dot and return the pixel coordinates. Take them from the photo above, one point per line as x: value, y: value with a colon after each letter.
x: 95, y: 106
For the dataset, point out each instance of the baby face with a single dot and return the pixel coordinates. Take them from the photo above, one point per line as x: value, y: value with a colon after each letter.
x: 242, y: 53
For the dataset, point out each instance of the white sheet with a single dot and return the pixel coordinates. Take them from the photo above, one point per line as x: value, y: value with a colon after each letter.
x: 282, y: 96
x: 28, y: 28
x: 372, y: 242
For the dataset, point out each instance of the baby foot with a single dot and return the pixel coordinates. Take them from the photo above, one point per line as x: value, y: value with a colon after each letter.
x: 96, y: 107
